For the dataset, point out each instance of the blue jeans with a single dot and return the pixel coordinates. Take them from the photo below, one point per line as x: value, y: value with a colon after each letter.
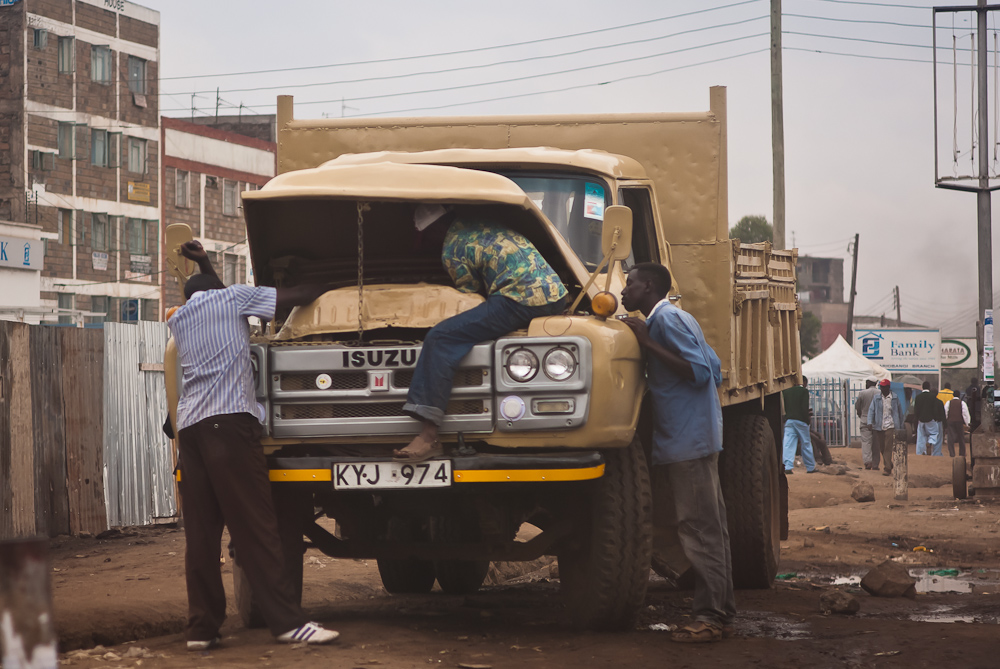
x: 451, y: 340
x: 928, y: 433
x: 797, y: 433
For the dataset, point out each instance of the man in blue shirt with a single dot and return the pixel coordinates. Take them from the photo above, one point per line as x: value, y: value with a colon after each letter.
x: 683, y: 374
x: 224, y: 479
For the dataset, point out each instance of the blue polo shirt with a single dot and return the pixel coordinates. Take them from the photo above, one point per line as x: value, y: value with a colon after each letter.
x: 688, y: 414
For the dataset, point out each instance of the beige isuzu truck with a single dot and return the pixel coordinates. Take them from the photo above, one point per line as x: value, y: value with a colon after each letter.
x: 549, y: 426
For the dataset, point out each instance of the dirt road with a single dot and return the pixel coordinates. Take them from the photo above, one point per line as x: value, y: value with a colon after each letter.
x: 127, y: 593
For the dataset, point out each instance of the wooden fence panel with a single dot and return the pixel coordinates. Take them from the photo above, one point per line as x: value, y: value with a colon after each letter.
x: 6, y: 485
x: 51, y: 495
x: 83, y: 384
x: 22, y: 460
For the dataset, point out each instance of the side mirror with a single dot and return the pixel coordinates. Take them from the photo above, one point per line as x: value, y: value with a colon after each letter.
x: 179, y: 266
x: 616, y: 236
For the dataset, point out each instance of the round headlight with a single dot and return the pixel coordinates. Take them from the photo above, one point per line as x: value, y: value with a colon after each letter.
x: 559, y: 364
x: 522, y: 365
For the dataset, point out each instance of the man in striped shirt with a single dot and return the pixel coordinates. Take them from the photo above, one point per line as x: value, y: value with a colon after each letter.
x: 224, y: 478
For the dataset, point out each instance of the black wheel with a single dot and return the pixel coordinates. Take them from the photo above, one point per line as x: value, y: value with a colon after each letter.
x: 461, y: 577
x: 748, y: 471
x: 292, y: 512
x: 959, y: 485
x: 604, y: 576
x: 407, y: 575
x: 246, y: 608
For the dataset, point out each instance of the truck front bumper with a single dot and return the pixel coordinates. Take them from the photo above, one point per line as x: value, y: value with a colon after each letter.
x: 466, y: 469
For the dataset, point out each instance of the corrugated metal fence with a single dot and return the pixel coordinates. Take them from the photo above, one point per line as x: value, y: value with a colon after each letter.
x: 138, y: 460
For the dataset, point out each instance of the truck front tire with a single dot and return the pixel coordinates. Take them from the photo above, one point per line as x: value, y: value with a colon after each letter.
x: 407, y: 575
x: 604, y: 577
x: 748, y: 471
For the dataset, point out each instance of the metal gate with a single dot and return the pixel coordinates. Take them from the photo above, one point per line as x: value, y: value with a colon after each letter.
x: 138, y: 459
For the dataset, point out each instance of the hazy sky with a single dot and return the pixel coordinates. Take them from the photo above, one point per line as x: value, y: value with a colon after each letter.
x: 858, y: 130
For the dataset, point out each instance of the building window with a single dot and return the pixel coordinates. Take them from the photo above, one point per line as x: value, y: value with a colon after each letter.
x: 67, y: 55
x: 137, y: 236
x: 66, y: 301
x: 229, y: 190
x: 136, y: 155
x: 67, y: 140
x: 150, y: 310
x: 182, y: 188
x: 129, y: 310
x: 99, y: 232
x: 64, y: 224
x: 137, y: 75
x: 99, y: 304
x: 99, y: 147
x: 40, y: 37
x: 42, y: 160
x: 100, y: 64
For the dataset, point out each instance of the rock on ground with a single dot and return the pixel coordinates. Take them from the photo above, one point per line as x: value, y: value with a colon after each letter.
x: 890, y: 579
x: 832, y: 470
x: 863, y: 492
x: 927, y: 481
x: 838, y: 601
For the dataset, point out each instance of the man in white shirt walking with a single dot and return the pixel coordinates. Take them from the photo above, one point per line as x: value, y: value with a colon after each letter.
x: 861, y: 405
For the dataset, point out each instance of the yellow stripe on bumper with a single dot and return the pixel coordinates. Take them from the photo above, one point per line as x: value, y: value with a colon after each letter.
x: 286, y: 475
x: 527, y: 475
x: 460, y: 476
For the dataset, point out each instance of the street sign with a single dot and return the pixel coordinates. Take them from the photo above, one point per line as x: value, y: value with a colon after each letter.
x: 900, y: 350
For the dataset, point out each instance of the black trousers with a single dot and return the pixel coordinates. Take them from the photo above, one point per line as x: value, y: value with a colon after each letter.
x: 955, y: 431
x: 224, y: 481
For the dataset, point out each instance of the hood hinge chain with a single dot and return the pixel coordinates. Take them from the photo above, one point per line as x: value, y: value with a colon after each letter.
x: 362, y: 207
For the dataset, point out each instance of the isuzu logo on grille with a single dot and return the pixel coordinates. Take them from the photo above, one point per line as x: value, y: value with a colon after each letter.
x: 396, y: 357
x: 378, y: 381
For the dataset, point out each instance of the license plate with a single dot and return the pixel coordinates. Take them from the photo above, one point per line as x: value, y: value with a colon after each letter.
x: 382, y: 475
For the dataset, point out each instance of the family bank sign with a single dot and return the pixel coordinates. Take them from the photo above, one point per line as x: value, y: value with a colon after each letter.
x: 901, y: 350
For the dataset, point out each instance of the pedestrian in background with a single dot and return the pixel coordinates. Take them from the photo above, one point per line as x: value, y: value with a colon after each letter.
x: 973, y: 400
x: 925, y: 409
x: 945, y: 395
x: 861, y: 405
x: 796, y: 401
x: 885, y: 415
x: 224, y: 479
x: 683, y: 374
x: 957, y: 415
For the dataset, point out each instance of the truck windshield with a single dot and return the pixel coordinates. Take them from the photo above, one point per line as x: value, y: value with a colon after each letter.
x: 574, y: 204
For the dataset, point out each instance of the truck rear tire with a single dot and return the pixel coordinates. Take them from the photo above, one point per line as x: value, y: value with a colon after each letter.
x: 748, y: 471
x: 461, y: 577
x: 604, y: 578
x: 408, y: 575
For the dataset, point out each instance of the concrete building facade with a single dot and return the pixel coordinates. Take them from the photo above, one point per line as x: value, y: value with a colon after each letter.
x: 79, y: 155
x: 204, y: 171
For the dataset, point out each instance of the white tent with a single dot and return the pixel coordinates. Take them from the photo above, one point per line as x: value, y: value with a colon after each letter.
x: 842, y: 362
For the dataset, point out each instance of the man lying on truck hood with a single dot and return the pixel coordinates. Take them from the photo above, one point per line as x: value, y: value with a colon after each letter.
x: 482, y: 256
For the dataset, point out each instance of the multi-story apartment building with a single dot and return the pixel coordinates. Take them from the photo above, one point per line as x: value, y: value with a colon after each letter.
x: 204, y: 171
x: 79, y: 147
x: 821, y: 292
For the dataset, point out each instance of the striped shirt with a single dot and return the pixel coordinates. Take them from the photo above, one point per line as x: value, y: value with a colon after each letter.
x: 213, y: 345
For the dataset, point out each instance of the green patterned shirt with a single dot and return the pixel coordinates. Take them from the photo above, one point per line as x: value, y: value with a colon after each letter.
x: 490, y: 259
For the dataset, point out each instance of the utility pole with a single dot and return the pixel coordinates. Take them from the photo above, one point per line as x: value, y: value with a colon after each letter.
x: 854, y: 285
x: 983, y: 195
x: 777, y: 128
x: 899, y: 319
x: 217, y: 105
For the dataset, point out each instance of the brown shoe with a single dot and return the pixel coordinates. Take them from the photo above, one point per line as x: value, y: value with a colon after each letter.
x: 886, y: 472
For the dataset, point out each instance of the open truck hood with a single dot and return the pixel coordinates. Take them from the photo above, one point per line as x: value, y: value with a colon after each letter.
x: 303, y: 225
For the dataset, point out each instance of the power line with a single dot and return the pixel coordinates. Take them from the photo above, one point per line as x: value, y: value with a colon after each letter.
x: 869, y: 21
x: 523, y: 78
x: 857, y: 55
x: 873, y: 4
x: 466, y: 51
x: 481, y: 66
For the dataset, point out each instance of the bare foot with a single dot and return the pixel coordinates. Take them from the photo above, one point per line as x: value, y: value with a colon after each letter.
x: 423, y: 447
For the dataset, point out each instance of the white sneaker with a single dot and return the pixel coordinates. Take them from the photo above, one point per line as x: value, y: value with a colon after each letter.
x: 204, y: 645
x: 309, y: 633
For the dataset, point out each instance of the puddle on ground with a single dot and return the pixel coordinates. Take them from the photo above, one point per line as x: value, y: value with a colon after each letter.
x: 771, y: 626
x: 947, y: 614
x: 974, y: 581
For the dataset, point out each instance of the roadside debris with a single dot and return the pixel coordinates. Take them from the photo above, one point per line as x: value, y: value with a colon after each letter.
x: 889, y: 579
x: 838, y: 601
x: 662, y: 627
x: 863, y: 492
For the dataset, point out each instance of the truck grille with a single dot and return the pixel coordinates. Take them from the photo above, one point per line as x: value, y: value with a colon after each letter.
x: 369, y: 410
x: 464, y: 378
x: 341, y: 381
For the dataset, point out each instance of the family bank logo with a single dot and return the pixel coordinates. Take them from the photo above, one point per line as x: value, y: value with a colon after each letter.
x: 871, y: 345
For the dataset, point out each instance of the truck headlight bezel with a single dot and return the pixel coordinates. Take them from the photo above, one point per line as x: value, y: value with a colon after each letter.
x: 526, y: 363
x: 559, y: 364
